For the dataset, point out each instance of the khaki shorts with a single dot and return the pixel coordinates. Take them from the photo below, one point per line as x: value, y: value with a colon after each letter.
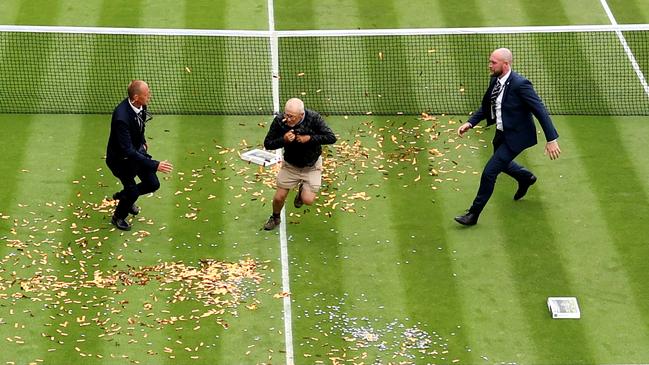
x: 290, y: 176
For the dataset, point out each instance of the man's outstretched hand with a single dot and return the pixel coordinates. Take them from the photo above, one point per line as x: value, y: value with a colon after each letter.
x: 552, y: 149
x: 463, y: 128
x: 165, y: 166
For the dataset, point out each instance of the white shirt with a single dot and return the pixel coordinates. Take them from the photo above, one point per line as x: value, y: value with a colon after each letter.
x: 137, y: 111
x: 499, y: 100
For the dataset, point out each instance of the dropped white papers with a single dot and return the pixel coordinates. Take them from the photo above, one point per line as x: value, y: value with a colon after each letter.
x: 564, y: 307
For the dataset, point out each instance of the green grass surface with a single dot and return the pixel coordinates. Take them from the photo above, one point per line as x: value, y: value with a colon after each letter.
x: 240, y: 14
x: 56, y: 189
x: 630, y: 12
x: 336, y: 14
x: 379, y: 267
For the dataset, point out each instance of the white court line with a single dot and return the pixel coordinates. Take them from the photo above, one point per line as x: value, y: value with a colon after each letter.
x: 626, y: 47
x: 288, y: 318
x: 286, y: 285
x: 274, y: 56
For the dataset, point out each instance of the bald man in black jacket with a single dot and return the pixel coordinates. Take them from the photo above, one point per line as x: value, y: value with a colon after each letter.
x: 301, y: 133
x: 127, y: 155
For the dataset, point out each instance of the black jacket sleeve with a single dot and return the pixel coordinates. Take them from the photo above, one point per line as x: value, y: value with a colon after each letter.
x: 275, y: 136
x: 322, y: 133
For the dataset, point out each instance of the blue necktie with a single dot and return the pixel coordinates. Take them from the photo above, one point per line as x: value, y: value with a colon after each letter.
x: 494, y: 96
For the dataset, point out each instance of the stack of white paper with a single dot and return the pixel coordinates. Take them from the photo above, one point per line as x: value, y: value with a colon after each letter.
x: 564, y: 307
x: 261, y: 157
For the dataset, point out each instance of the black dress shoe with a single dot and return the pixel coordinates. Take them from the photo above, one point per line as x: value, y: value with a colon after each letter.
x: 120, y: 224
x: 522, y: 188
x: 298, y: 198
x: 469, y: 219
x: 134, y: 210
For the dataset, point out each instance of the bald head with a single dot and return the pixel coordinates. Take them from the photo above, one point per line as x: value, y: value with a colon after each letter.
x: 294, y: 106
x: 504, y: 54
x: 138, y: 93
x: 293, y: 111
x: 500, y: 62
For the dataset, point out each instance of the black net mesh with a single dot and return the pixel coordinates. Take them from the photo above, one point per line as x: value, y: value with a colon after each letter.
x: 585, y: 73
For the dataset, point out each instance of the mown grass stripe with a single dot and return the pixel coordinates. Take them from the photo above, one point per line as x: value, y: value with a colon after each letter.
x: 189, y: 138
x: 622, y: 199
x: 420, y: 14
x: 381, y: 56
x: 295, y: 15
x: 462, y: 14
x: 204, y: 15
x: 629, y: 11
x: 48, y: 10
x: 486, y: 279
x: 86, y: 159
x: 372, y: 250
x: 540, y: 273
x: 9, y: 11
x: 317, y: 269
x: 14, y: 151
x: 449, y: 56
x: 189, y: 240
x: 317, y: 278
x: 577, y: 13
x: 426, y: 254
x: 370, y: 264
x: 240, y: 236
x: 246, y: 14
x: 49, y: 180
x: 164, y: 135
x: 120, y: 13
x: 312, y: 85
x: 584, y: 243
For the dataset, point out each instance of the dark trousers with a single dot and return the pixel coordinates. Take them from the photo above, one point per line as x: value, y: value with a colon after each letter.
x: 501, y: 161
x: 148, y: 183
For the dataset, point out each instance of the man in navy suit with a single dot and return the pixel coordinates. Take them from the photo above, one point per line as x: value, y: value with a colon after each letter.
x: 510, y: 102
x: 127, y: 153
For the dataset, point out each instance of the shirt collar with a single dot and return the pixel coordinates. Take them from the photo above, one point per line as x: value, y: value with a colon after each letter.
x: 301, y: 120
x: 504, y: 78
x: 136, y: 110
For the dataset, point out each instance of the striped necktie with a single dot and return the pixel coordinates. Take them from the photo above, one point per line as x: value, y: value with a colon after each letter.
x: 494, y: 96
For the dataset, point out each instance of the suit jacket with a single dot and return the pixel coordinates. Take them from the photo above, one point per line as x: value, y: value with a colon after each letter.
x: 519, y: 103
x: 126, y: 152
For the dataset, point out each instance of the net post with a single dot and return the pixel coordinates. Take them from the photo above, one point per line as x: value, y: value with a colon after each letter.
x: 274, y: 56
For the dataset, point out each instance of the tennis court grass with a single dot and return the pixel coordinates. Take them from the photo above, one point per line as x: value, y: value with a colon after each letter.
x: 392, y: 272
x: 391, y: 277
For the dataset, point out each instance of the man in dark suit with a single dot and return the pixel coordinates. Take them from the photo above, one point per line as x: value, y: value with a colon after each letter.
x: 127, y: 153
x: 510, y: 102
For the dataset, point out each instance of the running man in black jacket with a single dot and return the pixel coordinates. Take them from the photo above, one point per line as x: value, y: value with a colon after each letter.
x: 301, y: 132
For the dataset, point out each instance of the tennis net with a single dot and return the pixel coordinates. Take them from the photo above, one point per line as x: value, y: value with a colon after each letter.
x: 581, y: 70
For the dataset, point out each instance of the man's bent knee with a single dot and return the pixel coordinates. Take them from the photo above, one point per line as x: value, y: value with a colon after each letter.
x: 308, y: 197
